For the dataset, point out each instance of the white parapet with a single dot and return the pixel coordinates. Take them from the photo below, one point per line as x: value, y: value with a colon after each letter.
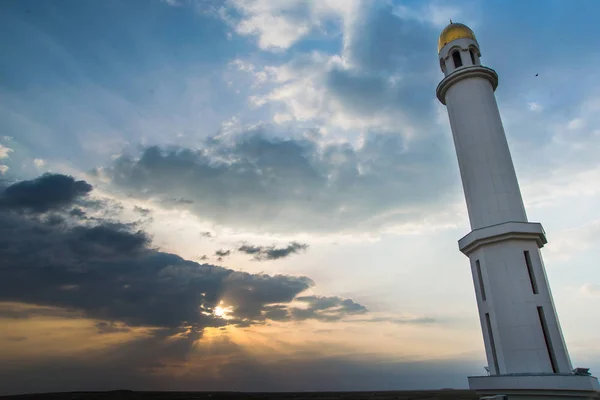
x: 537, y: 386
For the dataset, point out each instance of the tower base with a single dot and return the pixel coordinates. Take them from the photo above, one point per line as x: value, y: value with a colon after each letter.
x: 536, y: 387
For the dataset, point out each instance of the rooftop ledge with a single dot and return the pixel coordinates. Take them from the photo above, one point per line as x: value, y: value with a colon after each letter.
x: 535, y: 382
x: 476, y: 71
x: 500, y: 232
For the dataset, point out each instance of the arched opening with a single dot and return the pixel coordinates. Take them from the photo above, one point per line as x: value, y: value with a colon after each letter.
x: 443, y: 65
x: 456, y: 59
x: 473, y: 59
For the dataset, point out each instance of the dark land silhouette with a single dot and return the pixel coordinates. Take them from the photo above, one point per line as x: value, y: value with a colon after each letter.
x: 448, y: 394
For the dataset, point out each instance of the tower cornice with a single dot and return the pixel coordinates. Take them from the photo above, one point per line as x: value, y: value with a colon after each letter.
x: 506, y: 231
x: 464, y: 73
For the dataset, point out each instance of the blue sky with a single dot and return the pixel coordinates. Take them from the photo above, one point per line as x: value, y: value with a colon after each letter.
x: 298, y: 147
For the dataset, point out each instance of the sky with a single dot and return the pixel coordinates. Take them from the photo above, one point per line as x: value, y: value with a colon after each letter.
x: 264, y: 195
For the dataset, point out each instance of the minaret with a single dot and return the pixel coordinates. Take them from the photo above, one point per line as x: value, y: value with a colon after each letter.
x: 522, y: 335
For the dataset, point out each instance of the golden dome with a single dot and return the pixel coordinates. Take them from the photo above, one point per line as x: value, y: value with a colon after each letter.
x: 454, y: 31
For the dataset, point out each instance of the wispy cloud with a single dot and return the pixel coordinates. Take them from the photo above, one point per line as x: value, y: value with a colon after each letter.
x: 4, y: 151
x: 533, y: 106
x: 575, y: 240
x: 590, y: 290
x: 278, y: 25
x: 262, y: 253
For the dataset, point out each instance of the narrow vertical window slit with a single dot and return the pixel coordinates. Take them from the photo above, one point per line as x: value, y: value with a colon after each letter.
x: 480, y: 279
x: 492, y: 343
x: 534, y: 285
x: 547, y: 339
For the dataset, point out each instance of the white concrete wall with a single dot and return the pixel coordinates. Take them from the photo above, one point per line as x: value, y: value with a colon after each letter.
x: 512, y: 305
x: 493, y: 197
x: 488, y: 176
x: 520, y: 340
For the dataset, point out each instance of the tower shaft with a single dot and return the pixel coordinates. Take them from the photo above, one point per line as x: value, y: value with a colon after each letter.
x: 488, y: 176
x: 526, y: 352
x: 516, y: 311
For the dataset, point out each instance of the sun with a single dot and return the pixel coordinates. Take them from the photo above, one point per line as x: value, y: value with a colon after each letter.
x: 222, y: 311
x: 219, y: 312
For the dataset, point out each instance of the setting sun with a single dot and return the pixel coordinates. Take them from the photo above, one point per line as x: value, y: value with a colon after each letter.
x: 219, y: 311
x: 222, y: 311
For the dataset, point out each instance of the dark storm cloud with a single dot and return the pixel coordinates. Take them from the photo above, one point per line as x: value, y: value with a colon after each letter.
x: 77, y: 212
x: 261, y: 253
x: 108, y: 271
x: 113, y: 275
x: 267, y: 184
x: 12, y: 311
x: 110, y: 327
x: 46, y: 192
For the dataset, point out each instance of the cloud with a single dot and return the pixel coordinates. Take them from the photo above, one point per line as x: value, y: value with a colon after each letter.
x: 433, y: 13
x: 590, y: 290
x: 108, y: 271
x: 142, y: 211
x: 18, y: 311
x: 77, y: 212
x: 4, y: 151
x: 262, y: 253
x: 259, y: 183
x: 111, y: 237
x: 278, y: 25
x: 533, y: 106
x: 38, y: 162
x: 381, y: 78
x: 325, y: 308
x: 403, y: 320
x: 44, y: 193
x: 110, y: 327
x: 575, y: 240
x: 222, y: 253
x: 381, y: 40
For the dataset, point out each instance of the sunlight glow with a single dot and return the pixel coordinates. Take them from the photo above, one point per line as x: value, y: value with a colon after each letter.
x: 219, y: 312
x: 222, y: 311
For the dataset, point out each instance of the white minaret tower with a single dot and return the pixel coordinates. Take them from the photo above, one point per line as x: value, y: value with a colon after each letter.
x: 526, y: 352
